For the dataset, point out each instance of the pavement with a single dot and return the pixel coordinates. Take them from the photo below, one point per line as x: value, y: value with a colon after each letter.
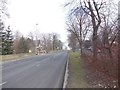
x: 46, y: 71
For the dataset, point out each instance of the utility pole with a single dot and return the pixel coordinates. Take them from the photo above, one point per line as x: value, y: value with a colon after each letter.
x: 36, y: 40
x: 53, y: 42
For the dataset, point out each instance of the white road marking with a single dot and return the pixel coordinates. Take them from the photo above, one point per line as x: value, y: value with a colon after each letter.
x: 38, y: 64
x: 2, y: 83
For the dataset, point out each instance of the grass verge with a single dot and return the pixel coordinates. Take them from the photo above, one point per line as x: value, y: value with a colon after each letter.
x: 14, y: 56
x: 76, y: 78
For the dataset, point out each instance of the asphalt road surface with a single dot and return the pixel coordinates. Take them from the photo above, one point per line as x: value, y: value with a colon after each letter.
x: 46, y: 71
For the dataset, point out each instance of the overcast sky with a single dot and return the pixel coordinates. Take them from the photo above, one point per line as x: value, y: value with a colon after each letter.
x: 48, y: 14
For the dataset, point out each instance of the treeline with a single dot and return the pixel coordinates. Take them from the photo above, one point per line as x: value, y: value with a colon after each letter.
x: 17, y: 43
x: 43, y: 43
x: 93, y: 29
x: 22, y: 44
x: 94, y: 23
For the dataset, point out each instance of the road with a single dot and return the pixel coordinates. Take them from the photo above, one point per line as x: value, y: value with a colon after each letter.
x: 46, y: 71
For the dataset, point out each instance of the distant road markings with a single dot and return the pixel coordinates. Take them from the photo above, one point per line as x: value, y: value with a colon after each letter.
x: 37, y: 65
x: 2, y: 83
x: 42, y: 61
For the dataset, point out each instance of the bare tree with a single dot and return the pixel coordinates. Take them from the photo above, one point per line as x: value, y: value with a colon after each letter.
x: 45, y: 40
x: 3, y: 9
x: 54, y: 40
x: 31, y: 35
x: 49, y: 42
x: 79, y: 25
x: 17, y: 36
x: 72, y: 41
x: 108, y: 28
x: 92, y: 8
x: 109, y: 36
x: 104, y: 33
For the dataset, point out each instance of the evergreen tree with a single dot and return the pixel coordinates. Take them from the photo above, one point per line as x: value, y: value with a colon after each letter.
x: 6, y: 41
x: 9, y: 41
x: 2, y: 36
x: 22, y: 45
x: 30, y: 44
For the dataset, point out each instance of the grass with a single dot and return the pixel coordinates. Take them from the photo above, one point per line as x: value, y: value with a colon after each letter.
x: 76, y: 77
x: 14, y: 56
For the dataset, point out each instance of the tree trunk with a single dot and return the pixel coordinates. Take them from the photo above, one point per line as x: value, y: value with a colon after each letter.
x: 94, y: 50
x: 81, y: 50
x: 110, y: 53
x: 94, y: 43
x: 80, y: 41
